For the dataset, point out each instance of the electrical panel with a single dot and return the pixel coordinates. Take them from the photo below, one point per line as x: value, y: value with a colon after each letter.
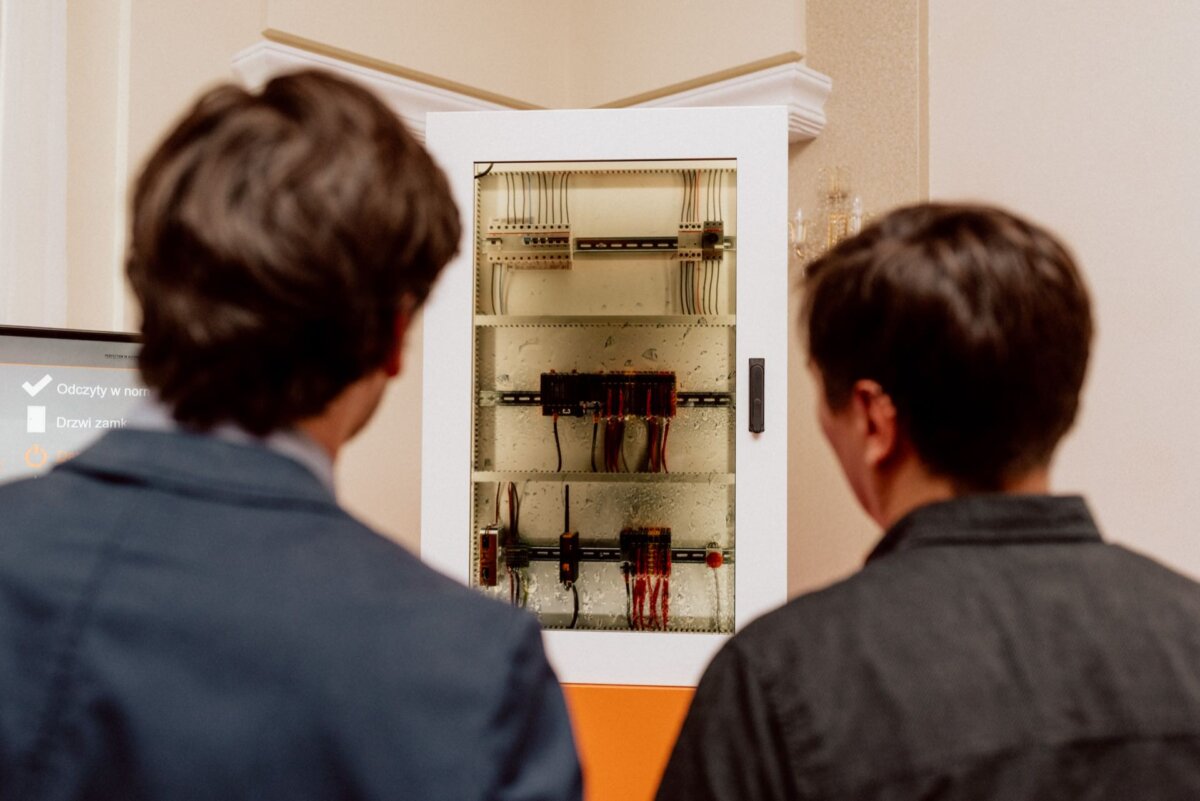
x: 597, y: 307
x: 605, y: 312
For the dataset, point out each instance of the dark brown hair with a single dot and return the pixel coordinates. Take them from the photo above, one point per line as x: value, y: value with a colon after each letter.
x: 974, y: 321
x: 275, y: 236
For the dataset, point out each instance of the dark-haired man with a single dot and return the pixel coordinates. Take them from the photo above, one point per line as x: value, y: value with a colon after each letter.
x: 185, y: 610
x: 993, y: 647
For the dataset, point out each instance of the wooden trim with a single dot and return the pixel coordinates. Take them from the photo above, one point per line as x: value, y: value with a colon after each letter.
x: 705, y: 80
x: 350, y: 57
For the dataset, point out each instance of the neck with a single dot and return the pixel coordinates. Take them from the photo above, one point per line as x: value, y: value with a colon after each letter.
x: 346, y: 414
x: 911, y: 485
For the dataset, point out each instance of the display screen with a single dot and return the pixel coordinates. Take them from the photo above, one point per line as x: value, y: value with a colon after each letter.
x: 59, y: 390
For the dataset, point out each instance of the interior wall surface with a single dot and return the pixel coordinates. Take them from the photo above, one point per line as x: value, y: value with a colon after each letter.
x: 874, y: 53
x: 625, y: 49
x: 554, y: 55
x: 133, y: 67
x: 516, y: 49
x: 96, y: 119
x: 1085, y: 117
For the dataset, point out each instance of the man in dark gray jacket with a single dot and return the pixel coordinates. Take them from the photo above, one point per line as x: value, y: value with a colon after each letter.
x: 185, y: 610
x: 994, y: 646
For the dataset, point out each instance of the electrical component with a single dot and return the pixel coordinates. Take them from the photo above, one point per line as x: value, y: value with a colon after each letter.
x: 647, y: 571
x: 488, y: 545
x: 643, y: 394
x: 568, y: 557
x: 611, y: 399
x: 568, y: 545
x: 516, y: 557
x: 528, y: 245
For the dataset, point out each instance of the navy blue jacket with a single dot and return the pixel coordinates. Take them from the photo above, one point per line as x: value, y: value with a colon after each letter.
x: 186, y: 618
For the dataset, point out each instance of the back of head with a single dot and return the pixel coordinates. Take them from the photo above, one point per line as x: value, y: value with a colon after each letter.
x: 276, y: 237
x: 975, y: 322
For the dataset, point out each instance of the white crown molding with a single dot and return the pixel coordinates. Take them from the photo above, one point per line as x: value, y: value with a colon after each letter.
x: 410, y: 99
x: 802, y: 90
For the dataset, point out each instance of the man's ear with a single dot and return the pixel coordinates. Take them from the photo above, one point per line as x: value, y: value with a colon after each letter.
x: 877, y: 420
x: 395, y: 356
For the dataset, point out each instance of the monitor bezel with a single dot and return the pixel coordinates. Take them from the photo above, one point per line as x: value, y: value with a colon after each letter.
x: 38, y: 332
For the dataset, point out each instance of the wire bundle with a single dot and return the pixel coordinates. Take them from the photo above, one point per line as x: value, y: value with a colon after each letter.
x: 537, y: 198
x: 700, y: 281
x: 647, y: 575
x: 515, y: 556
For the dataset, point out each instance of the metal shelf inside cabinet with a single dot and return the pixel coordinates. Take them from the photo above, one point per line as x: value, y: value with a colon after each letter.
x: 684, y: 400
x: 596, y: 320
x: 588, y: 477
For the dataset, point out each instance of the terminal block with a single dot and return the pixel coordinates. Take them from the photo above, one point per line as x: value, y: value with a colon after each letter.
x: 528, y: 245
x: 643, y: 394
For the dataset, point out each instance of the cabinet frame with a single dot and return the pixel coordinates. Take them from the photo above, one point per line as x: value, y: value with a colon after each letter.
x: 757, y: 139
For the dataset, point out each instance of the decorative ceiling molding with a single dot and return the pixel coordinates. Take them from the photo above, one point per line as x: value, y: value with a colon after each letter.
x: 802, y: 90
x: 410, y: 99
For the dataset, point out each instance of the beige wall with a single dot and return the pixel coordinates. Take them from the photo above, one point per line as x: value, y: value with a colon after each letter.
x: 95, y: 201
x: 1086, y: 117
x: 874, y: 54
x: 622, y: 49
x: 516, y: 49
x: 556, y: 55
x: 133, y: 66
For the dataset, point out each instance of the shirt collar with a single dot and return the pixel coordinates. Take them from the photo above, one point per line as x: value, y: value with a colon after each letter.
x: 992, y: 519
x: 152, y: 414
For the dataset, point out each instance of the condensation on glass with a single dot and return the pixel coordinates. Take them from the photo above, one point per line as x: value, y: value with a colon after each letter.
x: 603, y: 425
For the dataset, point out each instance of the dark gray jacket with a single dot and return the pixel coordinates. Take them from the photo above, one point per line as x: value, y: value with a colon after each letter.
x: 992, y: 648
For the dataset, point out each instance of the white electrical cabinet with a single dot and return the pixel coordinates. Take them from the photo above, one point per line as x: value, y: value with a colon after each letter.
x: 605, y: 387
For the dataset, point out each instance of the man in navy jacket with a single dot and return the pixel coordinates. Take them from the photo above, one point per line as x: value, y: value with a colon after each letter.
x: 185, y: 610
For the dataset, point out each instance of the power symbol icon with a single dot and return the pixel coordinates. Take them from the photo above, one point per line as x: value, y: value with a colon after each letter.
x: 36, y: 456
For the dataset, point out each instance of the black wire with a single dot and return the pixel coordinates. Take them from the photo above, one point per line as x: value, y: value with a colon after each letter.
x: 485, y: 172
x: 691, y: 285
x: 566, y: 507
x: 683, y: 205
x: 708, y: 196
x: 567, y: 196
x: 595, y: 426
x: 575, y: 613
x: 557, y: 445
x: 562, y: 197
x: 709, y: 290
x: 717, y: 290
x: 626, y: 568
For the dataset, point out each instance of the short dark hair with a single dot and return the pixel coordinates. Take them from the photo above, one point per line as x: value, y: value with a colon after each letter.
x: 974, y: 321
x: 275, y: 237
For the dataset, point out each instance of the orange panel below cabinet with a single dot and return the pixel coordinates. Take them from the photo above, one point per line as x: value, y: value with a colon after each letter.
x: 625, y: 735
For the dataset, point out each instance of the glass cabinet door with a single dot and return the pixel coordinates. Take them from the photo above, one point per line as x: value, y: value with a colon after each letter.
x: 603, y: 431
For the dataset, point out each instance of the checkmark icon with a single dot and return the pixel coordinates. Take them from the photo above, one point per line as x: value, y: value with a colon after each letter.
x: 34, y: 389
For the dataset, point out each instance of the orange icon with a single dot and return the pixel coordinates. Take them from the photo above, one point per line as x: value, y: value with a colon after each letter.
x: 36, y: 456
